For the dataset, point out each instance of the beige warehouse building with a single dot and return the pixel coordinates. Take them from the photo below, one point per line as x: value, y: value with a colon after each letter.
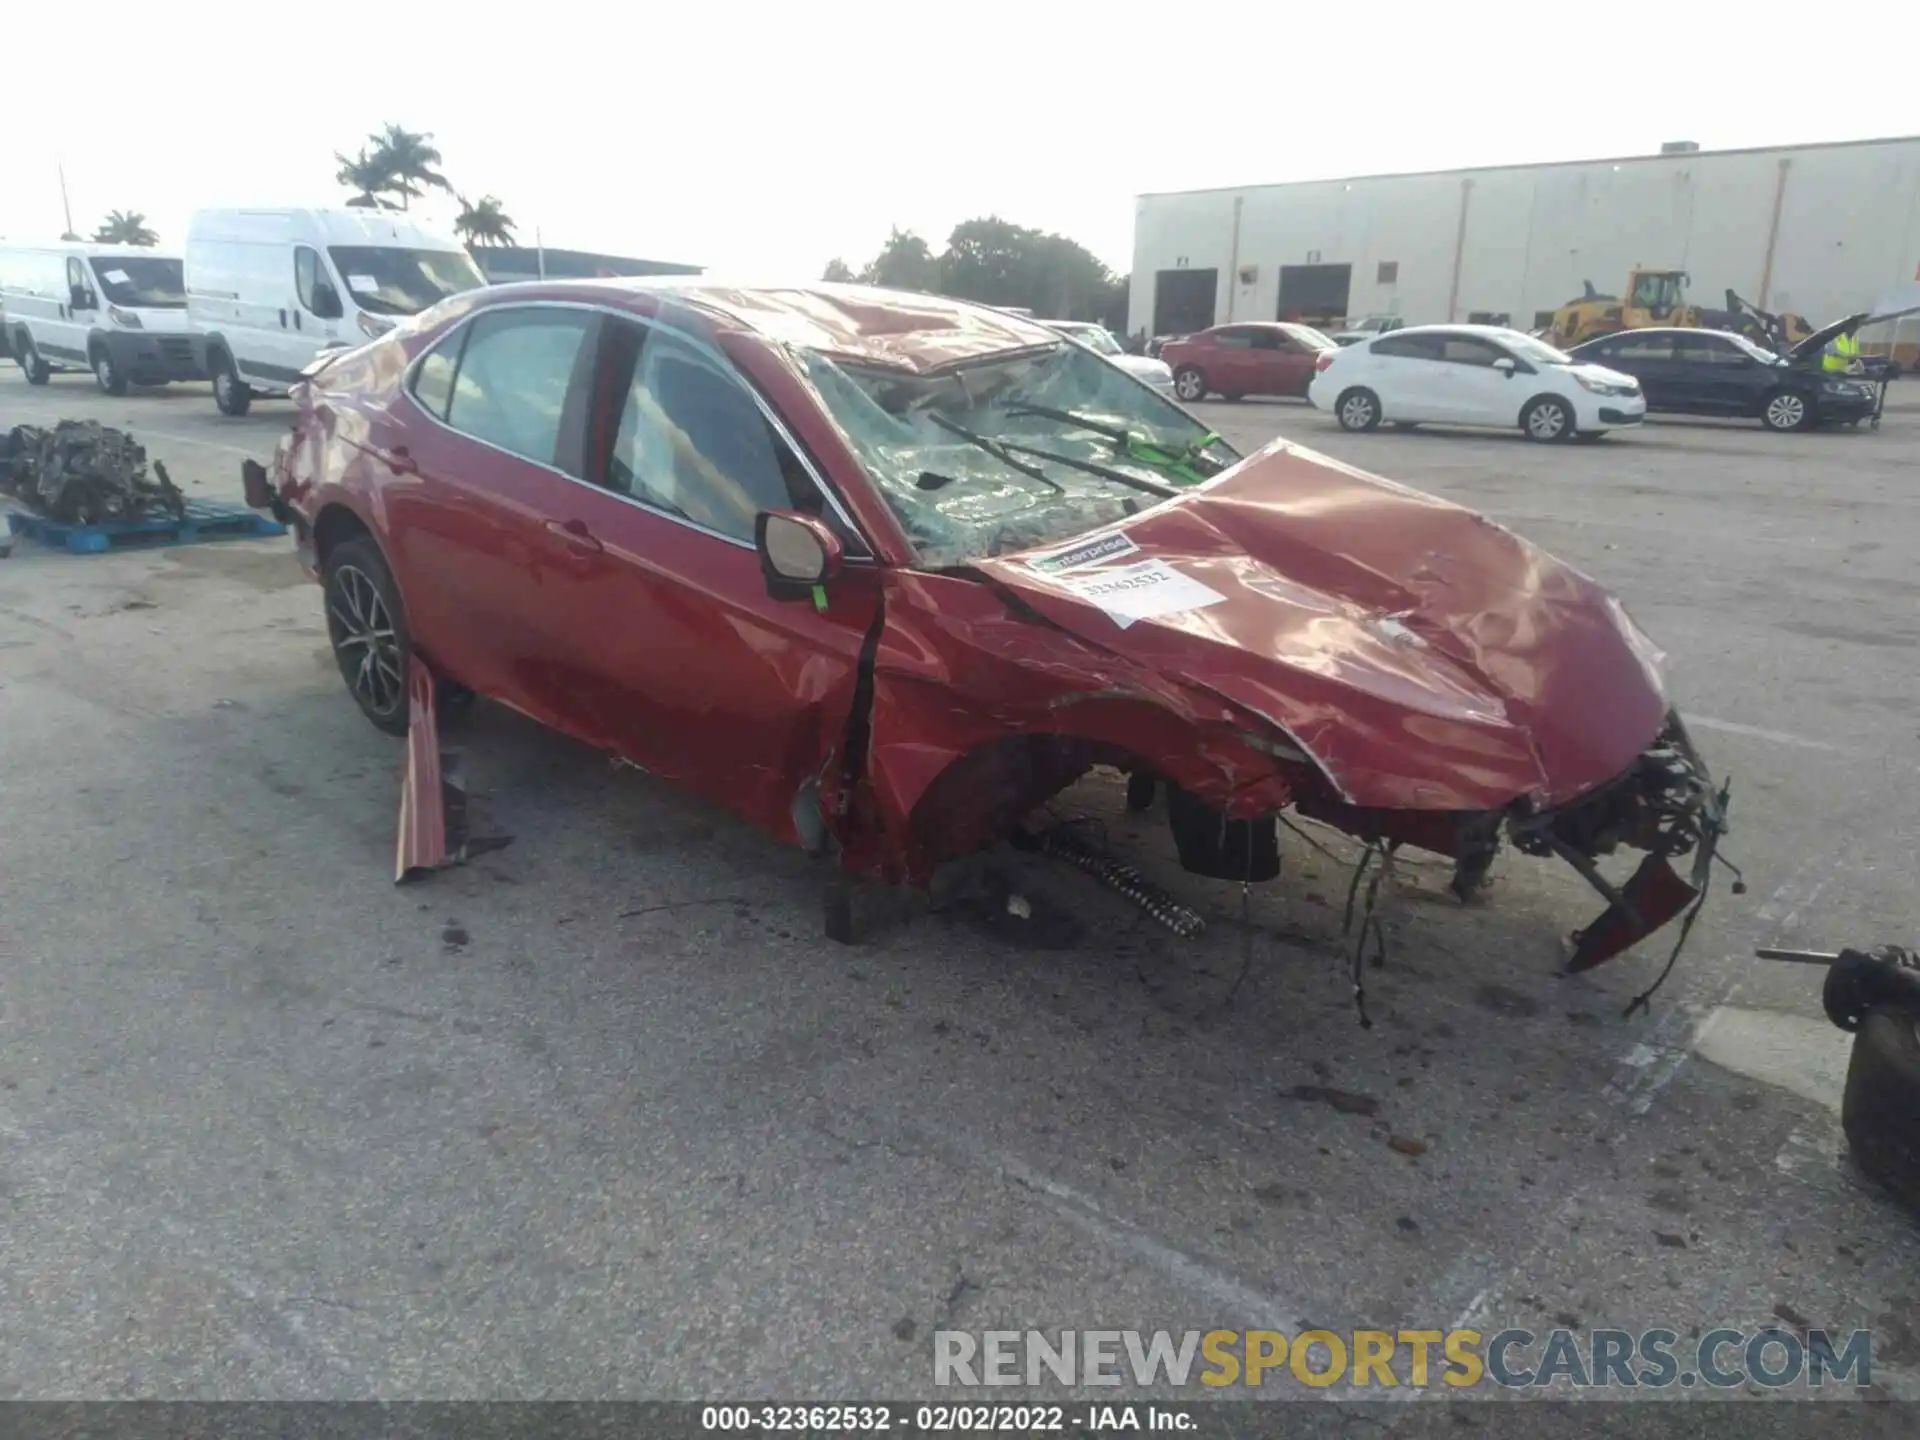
x: 1820, y: 230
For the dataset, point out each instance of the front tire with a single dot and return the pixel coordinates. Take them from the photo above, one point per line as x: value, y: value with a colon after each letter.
x: 1189, y: 384
x: 32, y: 362
x: 1547, y: 419
x: 230, y: 392
x: 368, y: 627
x: 1357, y: 409
x: 107, y: 375
x: 1784, y: 410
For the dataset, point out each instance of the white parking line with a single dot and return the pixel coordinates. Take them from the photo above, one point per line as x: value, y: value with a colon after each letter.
x: 1778, y: 737
x: 1657, y: 1057
x: 146, y: 432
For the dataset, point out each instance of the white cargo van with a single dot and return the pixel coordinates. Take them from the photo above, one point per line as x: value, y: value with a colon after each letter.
x: 117, y: 310
x: 268, y: 290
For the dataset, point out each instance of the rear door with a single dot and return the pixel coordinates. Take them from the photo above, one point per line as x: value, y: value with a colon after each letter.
x: 486, y: 450
x: 1406, y: 372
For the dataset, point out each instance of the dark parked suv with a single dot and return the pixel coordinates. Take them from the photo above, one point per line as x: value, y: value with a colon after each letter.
x: 1715, y: 372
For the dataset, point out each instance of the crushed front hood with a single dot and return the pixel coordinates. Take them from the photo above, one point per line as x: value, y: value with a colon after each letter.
x: 1423, y: 656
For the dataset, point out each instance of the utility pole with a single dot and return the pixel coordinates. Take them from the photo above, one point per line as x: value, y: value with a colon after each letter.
x: 65, y: 207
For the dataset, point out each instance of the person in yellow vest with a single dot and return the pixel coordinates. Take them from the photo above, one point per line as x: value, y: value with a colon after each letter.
x: 1842, y: 356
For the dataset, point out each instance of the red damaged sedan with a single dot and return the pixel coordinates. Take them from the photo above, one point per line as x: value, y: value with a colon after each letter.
x: 884, y: 572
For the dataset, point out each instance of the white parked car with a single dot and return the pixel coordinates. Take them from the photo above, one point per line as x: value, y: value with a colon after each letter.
x: 1473, y: 375
x: 117, y: 310
x: 1099, y: 338
x: 268, y: 290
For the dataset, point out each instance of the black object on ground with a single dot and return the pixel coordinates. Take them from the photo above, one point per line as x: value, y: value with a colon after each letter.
x: 83, y: 473
x: 1875, y: 996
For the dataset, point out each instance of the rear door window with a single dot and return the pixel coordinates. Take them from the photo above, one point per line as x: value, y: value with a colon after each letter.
x: 516, y: 375
x: 1470, y: 350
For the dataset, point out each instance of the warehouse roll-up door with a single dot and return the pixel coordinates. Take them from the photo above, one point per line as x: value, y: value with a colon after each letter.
x: 1314, y: 292
x: 1183, y: 300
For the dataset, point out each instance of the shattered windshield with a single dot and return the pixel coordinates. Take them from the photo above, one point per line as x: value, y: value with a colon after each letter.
x: 1020, y: 450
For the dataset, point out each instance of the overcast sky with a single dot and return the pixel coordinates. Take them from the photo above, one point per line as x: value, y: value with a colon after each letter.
x: 770, y: 137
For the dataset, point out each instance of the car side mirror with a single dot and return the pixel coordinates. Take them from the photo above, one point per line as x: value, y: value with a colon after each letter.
x: 798, y: 554
x: 1506, y: 366
x: 326, y: 300
x: 79, y: 297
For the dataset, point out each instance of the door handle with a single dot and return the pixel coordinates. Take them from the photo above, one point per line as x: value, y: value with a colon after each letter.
x: 298, y: 323
x: 283, y: 319
x: 575, y: 536
x: 400, y: 461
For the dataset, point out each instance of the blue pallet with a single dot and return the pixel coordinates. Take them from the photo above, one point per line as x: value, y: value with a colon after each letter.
x: 205, y: 520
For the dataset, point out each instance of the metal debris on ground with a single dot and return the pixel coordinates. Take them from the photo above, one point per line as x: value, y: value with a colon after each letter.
x: 83, y: 473
x: 1062, y: 843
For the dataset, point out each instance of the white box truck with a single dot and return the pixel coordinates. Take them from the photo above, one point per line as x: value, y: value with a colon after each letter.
x: 268, y: 290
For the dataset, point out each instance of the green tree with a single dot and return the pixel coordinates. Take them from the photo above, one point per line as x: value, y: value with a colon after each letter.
x: 125, y: 227
x: 369, y: 175
x: 412, y: 162
x: 394, y: 167
x: 483, y: 222
x: 905, y: 262
x: 992, y: 261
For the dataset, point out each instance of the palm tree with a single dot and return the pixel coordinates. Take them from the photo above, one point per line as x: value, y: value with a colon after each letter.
x: 369, y: 176
x: 125, y: 227
x: 483, y: 222
x: 410, y: 159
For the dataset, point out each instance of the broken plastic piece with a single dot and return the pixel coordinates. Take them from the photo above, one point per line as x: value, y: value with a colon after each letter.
x: 434, y: 809
x: 1654, y: 895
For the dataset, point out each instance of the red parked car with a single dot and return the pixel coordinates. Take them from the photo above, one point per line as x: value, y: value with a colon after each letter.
x: 1268, y: 358
x: 882, y: 573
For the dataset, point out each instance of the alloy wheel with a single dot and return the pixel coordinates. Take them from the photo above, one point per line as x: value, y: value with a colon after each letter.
x: 364, y: 639
x: 1357, y: 412
x: 1786, y: 412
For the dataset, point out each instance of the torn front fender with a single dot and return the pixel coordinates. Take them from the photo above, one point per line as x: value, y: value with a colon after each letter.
x: 974, y: 709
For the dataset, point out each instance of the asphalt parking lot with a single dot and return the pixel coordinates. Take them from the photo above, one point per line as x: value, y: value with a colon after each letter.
x: 604, y: 1115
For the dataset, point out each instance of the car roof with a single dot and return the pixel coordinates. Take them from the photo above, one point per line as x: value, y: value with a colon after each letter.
x: 891, y: 329
x: 866, y: 325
